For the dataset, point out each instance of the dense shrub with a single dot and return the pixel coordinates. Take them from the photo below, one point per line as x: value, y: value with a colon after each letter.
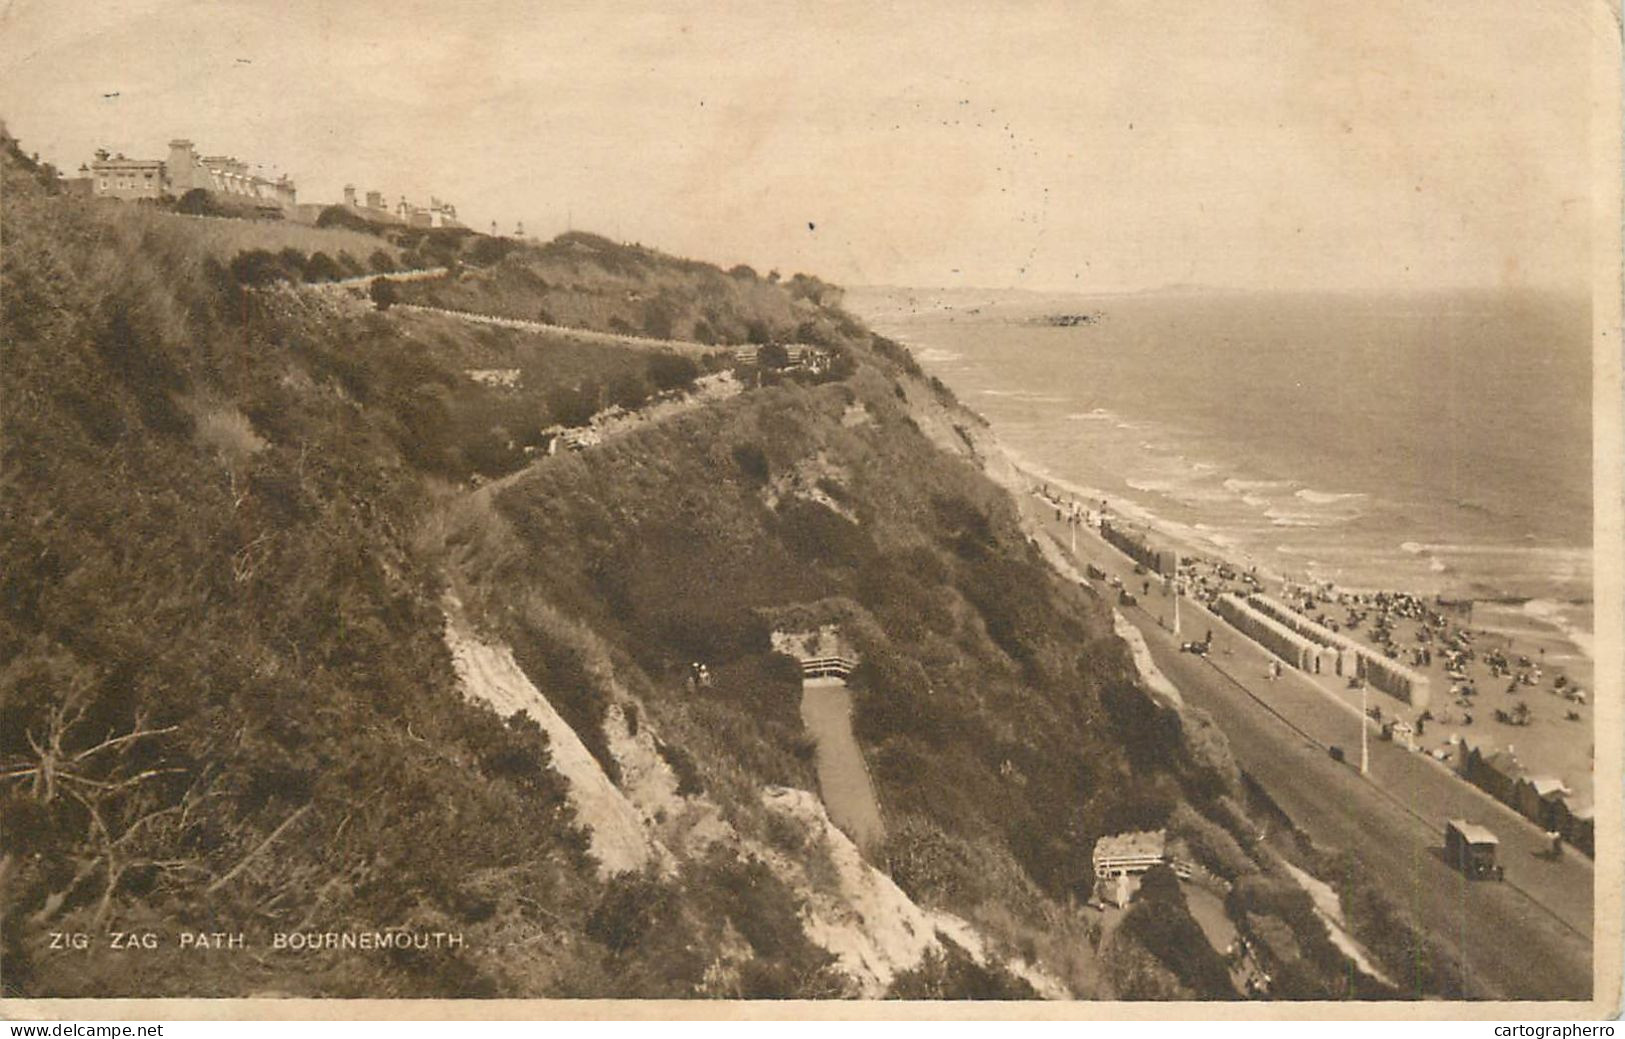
x: 631, y: 908
x: 949, y: 972
x: 628, y: 390
x: 322, y: 267
x: 260, y: 267
x: 574, y: 405
x: 1160, y: 921
x: 773, y: 356
x: 487, y: 250
x: 382, y: 293
x: 672, y: 371
x: 197, y: 202
x: 752, y: 462
x: 339, y: 216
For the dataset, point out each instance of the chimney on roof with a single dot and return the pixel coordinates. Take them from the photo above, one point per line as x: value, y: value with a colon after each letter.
x: 349, y: 195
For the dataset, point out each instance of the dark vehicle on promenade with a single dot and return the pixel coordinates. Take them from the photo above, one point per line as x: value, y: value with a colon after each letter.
x: 1472, y: 849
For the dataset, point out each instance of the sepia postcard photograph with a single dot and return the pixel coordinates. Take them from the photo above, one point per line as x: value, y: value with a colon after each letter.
x: 1043, y: 509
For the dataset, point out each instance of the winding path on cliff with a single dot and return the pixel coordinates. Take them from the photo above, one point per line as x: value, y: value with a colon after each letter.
x: 843, y: 779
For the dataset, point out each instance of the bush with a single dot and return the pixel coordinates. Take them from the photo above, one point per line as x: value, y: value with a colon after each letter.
x: 258, y: 267
x: 197, y: 202
x: 949, y: 972
x: 573, y: 406
x: 321, y: 267
x: 659, y: 318
x: 338, y: 216
x: 381, y: 263
x: 1160, y: 921
x: 487, y: 251
x: 752, y: 461
x: 631, y: 908
x: 629, y: 390
x: 773, y: 357
x: 682, y: 765
x: 383, y: 293
x: 672, y: 371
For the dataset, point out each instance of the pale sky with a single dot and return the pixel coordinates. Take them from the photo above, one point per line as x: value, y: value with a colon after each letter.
x: 1303, y: 144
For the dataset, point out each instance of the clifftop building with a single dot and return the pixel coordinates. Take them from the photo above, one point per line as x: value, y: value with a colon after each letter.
x: 436, y: 214
x: 115, y: 176
x: 224, y: 175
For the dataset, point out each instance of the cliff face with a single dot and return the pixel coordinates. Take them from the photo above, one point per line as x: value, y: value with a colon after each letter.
x: 306, y: 631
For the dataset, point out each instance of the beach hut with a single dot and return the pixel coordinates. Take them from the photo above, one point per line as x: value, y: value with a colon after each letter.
x: 1581, y: 829
x: 1543, y: 799
x: 1267, y: 632
x: 1496, y: 773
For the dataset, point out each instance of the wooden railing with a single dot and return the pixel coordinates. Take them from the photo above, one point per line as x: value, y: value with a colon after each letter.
x: 827, y: 667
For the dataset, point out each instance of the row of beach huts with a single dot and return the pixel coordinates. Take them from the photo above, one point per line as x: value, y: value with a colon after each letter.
x: 1299, y: 641
x: 1543, y: 800
x: 1316, y: 649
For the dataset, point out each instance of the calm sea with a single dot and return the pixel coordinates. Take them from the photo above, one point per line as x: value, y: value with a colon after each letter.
x: 1439, y: 444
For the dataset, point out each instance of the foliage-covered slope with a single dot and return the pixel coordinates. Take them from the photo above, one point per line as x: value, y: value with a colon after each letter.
x: 230, y: 520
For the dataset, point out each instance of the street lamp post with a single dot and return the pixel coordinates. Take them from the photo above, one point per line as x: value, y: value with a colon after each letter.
x: 1176, y: 592
x: 1365, y: 747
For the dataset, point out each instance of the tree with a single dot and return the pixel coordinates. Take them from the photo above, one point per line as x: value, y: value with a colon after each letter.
x: 672, y: 371
x: 487, y: 251
x: 659, y: 317
x: 381, y: 263
x: 293, y: 261
x: 383, y: 293
x: 628, y: 389
x: 773, y: 355
x: 197, y: 202
x: 573, y: 406
x: 257, y: 267
x: 338, y: 216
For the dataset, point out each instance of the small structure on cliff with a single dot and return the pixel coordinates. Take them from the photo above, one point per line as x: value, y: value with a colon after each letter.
x: 1121, y: 860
